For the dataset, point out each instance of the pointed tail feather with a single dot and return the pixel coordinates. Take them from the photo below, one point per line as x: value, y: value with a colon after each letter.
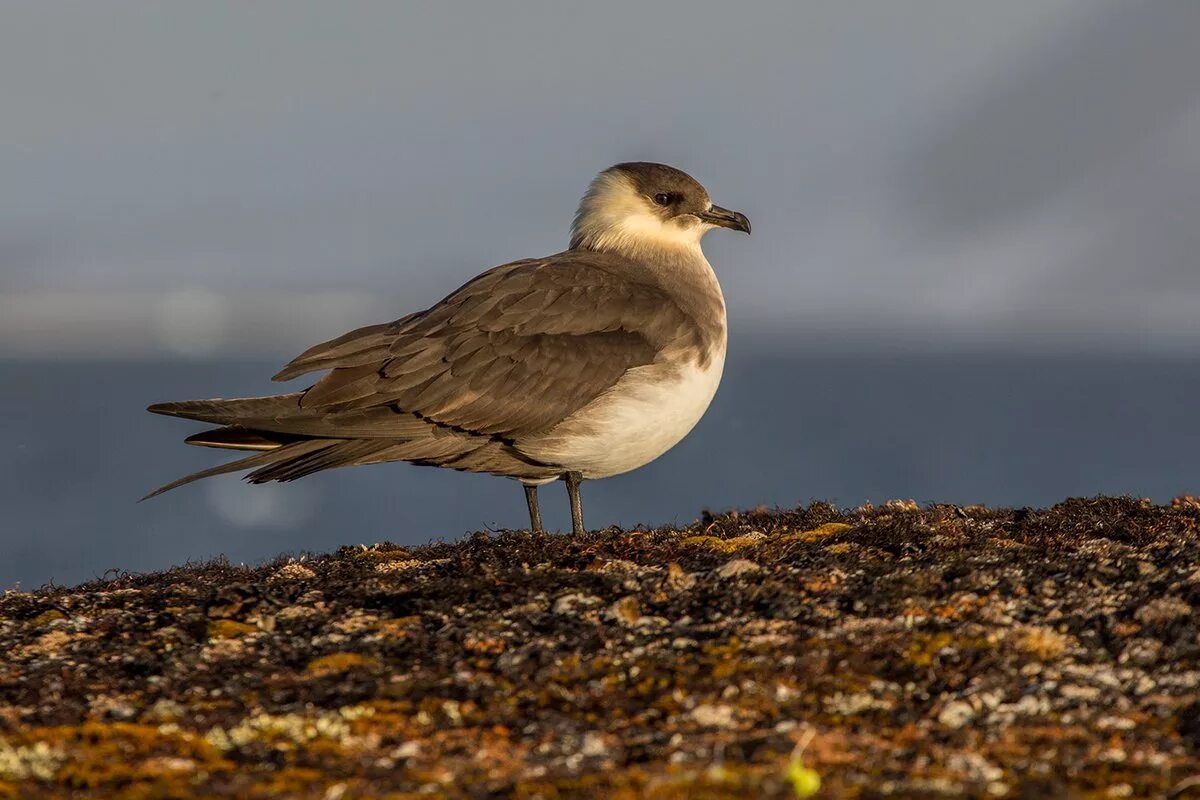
x: 285, y: 453
x: 342, y: 454
x: 228, y: 412
x: 234, y: 437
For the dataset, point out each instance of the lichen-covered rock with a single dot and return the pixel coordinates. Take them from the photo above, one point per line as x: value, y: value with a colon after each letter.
x: 889, y: 651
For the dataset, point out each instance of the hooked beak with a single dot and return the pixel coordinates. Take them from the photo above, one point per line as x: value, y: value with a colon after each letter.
x: 724, y: 218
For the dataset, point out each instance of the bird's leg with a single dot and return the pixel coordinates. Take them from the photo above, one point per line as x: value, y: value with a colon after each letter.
x: 535, y: 514
x: 573, y: 480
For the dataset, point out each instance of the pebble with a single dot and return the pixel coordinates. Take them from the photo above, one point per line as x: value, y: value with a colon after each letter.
x: 677, y: 579
x: 714, y: 716
x: 1143, y: 652
x: 626, y: 611
x: 1072, y: 691
x: 737, y: 567
x: 956, y: 714
x: 1164, y: 609
x: 292, y: 572
x: 593, y: 745
x: 575, y: 603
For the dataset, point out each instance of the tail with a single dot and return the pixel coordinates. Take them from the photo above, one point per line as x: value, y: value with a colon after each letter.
x: 274, y: 448
x: 263, y: 461
x: 290, y: 442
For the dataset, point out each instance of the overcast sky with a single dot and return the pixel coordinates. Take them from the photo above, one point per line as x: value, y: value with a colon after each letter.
x: 244, y: 177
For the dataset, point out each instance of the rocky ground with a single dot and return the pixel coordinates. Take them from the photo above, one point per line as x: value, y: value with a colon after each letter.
x: 893, y: 651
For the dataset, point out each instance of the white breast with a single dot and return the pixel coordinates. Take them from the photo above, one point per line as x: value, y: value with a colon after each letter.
x: 643, y: 416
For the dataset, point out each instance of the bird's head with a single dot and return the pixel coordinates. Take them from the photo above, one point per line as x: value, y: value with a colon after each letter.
x: 638, y: 206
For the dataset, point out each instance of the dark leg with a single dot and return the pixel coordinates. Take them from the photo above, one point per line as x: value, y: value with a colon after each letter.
x: 573, y: 480
x: 535, y: 514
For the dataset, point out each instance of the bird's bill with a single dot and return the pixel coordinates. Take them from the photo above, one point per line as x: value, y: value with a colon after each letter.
x: 724, y: 218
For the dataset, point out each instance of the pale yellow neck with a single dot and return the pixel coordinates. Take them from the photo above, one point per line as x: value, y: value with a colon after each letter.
x: 639, y: 236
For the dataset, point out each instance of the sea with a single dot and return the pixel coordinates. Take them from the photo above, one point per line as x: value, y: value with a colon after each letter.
x: 77, y: 451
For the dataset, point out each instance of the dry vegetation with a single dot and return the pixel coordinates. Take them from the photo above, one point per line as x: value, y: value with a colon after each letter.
x: 918, y: 652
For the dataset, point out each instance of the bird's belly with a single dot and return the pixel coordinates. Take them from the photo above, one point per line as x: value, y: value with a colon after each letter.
x: 643, y: 416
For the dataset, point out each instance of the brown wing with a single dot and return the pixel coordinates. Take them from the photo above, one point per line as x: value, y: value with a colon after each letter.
x: 513, y: 352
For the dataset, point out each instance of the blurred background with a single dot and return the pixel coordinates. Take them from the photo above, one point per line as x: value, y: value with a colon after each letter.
x: 973, y: 275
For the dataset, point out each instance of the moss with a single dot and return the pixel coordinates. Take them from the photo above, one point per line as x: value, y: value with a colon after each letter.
x: 701, y: 541
x: 956, y: 650
x: 928, y: 649
x: 292, y: 782
x: 380, y: 554
x: 730, y: 545
x: 817, y: 534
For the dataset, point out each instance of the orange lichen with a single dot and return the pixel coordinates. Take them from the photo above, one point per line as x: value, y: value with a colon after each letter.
x: 1041, y: 642
x: 485, y: 645
x: 398, y: 628
x: 45, y: 617
x: 337, y: 663
x: 961, y: 606
x: 141, y: 759
x: 924, y: 649
x: 229, y: 629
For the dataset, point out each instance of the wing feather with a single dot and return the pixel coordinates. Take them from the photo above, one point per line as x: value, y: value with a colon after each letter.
x: 513, y: 352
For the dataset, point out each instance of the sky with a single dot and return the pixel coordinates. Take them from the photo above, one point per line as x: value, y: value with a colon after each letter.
x: 231, y: 178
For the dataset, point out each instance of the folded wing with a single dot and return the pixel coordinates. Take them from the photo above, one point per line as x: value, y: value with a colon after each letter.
x: 513, y: 352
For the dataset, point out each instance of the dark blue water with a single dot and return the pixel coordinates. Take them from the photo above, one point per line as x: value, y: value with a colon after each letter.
x: 77, y: 450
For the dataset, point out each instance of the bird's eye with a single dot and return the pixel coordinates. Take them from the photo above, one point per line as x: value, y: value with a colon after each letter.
x: 663, y: 199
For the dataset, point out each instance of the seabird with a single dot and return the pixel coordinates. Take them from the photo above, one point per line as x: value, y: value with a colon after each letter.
x: 577, y: 366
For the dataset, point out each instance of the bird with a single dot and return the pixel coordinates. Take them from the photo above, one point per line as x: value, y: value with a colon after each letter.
x: 577, y: 366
